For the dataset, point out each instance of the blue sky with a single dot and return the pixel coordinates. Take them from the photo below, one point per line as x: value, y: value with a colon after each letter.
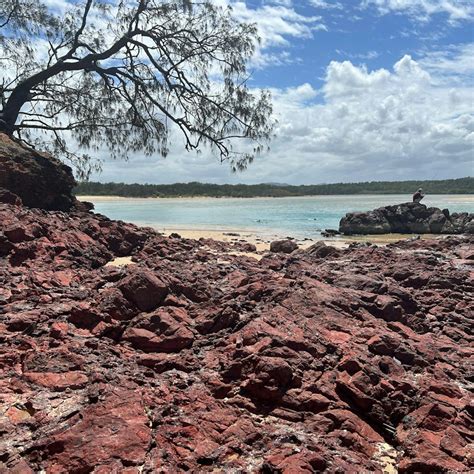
x: 362, y: 90
x: 362, y: 34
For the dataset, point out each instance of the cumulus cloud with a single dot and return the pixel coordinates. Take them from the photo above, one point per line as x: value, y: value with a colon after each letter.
x: 380, y: 124
x: 387, y: 124
x: 422, y: 10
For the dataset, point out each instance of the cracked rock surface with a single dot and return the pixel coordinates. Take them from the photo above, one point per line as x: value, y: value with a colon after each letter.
x: 195, y: 357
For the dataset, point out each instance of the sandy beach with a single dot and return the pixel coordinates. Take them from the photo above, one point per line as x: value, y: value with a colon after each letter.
x: 468, y: 198
x: 263, y: 242
x: 261, y: 238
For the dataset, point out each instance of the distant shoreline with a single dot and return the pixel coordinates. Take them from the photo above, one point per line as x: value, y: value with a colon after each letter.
x: 468, y: 197
x: 267, y: 190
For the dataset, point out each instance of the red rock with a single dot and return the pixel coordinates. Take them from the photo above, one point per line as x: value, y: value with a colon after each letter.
x: 294, y: 363
x: 113, y: 303
x: 37, y: 178
x: 63, y: 278
x: 16, y: 234
x: 59, y: 330
x: 267, y: 378
x: 321, y: 250
x: 144, y: 289
x: 456, y: 446
x: 113, y: 429
x: 58, y: 382
x: 171, y: 337
x: 283, y: 246
x: 430, y: 460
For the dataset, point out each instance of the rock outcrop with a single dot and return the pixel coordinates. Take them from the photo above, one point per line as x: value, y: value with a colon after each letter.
x: 38, y: 179
x: 194, y: 357
x: 407, y: 218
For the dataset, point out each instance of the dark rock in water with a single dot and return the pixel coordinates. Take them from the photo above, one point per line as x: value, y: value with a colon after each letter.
x: 283, y: 246
x: 330, y: 233
x: 407, y: 218
x: 40, y: 180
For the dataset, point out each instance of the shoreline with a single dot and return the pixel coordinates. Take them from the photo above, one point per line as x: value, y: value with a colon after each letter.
x: 261, y: 238
x: 103, y: 198
x: 262, y: 241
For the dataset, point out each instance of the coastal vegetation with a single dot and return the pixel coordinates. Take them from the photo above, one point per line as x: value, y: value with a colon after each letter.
x: 195, y: 189
x: 122, y: 76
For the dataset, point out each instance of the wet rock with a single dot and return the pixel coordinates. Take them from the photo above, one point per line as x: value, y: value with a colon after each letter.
x: 330, y: 232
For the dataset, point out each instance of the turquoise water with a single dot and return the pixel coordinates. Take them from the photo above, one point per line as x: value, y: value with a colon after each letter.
x: 297, y: 217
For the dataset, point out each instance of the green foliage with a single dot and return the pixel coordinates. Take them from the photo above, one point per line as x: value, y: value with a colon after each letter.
x: 446, y: 186
x: 122, y: 75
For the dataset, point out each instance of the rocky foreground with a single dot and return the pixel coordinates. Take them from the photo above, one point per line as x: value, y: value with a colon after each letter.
x: 198, y: 358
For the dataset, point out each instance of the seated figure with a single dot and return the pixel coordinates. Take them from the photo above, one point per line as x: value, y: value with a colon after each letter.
x: 418, y: 196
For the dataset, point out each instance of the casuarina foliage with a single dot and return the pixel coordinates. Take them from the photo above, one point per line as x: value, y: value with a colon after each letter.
x: 125, y: 74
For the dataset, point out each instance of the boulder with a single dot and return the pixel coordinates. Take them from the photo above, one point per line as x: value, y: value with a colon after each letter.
x: 38, y: 179
x: 407, y: 218
x: 373, y: 222
x: 163, y: 331
x: 283, y: 246
x: 144, y: 289
x: 320, y: 249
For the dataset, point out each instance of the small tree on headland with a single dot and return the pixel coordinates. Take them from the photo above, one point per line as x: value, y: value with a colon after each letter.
x: 120, y: 73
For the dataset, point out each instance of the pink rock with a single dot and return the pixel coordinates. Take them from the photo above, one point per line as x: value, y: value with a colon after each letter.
x: 58, y: 382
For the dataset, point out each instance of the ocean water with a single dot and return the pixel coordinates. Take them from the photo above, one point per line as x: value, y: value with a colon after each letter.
x: 298, y: 217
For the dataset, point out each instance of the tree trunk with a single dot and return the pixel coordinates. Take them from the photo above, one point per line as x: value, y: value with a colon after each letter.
x: 9, y: 114
x: 20, y: 95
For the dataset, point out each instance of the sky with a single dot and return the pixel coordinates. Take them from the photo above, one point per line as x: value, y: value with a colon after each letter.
x: 363, y: 90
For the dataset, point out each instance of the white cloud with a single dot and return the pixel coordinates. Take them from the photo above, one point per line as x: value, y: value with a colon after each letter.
x: 278, y: 23
x: 454, y: 64
x: 422, y: 10
x: 397, y: 123
x: 364, y: 56
x: 326, y: 4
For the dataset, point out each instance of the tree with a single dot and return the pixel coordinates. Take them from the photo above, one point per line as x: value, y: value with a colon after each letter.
x: 123, y: 73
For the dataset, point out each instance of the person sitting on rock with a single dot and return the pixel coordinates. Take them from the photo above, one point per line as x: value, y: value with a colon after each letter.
x: 418, y: 196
